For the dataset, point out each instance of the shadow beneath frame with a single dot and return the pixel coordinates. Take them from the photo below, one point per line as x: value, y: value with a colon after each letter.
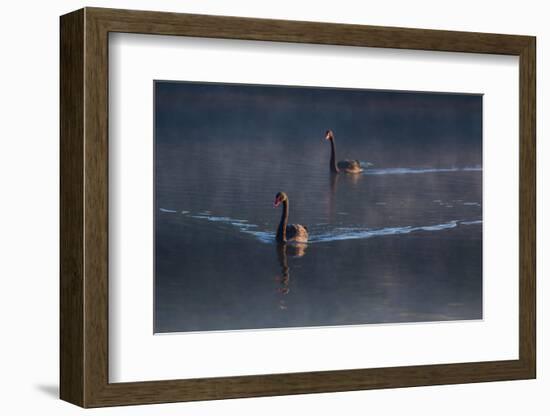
x: 51, y: 390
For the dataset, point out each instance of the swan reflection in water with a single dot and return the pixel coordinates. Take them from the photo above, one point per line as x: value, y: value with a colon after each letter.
x: 283, y: 251
x: 349, y: 182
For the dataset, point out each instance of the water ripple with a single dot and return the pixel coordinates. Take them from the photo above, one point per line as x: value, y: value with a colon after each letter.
x: 404, y: 171
x: 358, y: 233
x: 167, y: 210
x: 335, y: 234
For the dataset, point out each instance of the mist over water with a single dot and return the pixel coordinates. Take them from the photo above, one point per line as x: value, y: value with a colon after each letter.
x: 400, y: 242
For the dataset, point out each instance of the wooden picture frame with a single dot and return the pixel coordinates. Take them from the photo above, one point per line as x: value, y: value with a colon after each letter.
x: 84, y: 207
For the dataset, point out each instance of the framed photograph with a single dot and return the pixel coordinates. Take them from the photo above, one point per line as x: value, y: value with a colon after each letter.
x: 255, y: 207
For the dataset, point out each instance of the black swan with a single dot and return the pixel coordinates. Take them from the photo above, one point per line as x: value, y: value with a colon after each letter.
x: 348, y: 166
x: 288, y: 232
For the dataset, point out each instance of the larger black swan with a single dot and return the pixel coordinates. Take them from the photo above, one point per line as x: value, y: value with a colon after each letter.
x: 348, y: 166
x: 288, y: 232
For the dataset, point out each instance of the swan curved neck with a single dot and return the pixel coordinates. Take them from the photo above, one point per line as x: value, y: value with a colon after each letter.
x: 333, y: 167
x: 281, y: 231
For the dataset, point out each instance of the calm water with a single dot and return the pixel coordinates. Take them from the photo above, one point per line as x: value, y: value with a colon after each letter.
x: 401, y: 242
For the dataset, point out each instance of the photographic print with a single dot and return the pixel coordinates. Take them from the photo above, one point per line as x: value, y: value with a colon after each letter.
x: 295, y: 207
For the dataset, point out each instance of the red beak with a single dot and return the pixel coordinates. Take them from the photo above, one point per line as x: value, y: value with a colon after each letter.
x: 276, y: 203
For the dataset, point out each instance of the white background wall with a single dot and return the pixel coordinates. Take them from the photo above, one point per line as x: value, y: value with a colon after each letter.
x: 29, y: 206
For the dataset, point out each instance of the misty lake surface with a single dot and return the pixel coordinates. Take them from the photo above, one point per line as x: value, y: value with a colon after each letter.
x: 399, y: 242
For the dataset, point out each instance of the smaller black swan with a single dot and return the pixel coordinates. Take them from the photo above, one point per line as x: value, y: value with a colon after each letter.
x: 288, y: 232
x: 348, y: 166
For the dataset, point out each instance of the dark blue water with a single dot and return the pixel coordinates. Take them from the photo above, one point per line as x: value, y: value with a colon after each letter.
x: 400, y: 242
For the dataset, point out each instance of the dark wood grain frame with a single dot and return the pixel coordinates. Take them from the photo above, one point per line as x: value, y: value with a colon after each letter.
x: 84, y: 207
